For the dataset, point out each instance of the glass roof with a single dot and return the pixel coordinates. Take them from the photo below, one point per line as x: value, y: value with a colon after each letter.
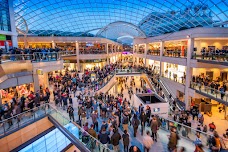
x: 83, y: 17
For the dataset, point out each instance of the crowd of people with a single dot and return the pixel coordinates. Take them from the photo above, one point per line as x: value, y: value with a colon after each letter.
x: 108, y: 117
x: 209, y: 85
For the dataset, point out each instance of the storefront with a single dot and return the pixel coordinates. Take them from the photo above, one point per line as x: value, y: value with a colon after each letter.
x: 5, y: 42
x: 91, y: 64
x: 174, y: 72
x: 210, y: 108
x: 175, y: 48
x: 9, y: 93
x: 154, y: 65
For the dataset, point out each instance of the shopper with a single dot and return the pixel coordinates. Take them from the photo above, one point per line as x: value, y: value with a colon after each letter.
x: 94, y: 117
x: 135, y: 123
x: 173, y: 140
x: 92, y: 132
x: 147, y: 142
x: 143, y: 119
x: 70, y: 111
x: 125, y: 121
x: 154, y: 128
x: 115, y: 140
x: 126, y: 140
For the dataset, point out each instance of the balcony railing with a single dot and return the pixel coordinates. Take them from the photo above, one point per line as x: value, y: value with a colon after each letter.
x: 219, y: 94
x: 153, y: 52
x: 92, y: 52
x: 211, y: 57
x: 140, y: 52
x: 35, y: 57
x: 176, y: 54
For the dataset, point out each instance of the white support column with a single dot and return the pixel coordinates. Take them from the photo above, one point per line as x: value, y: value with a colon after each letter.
x: 145, y: 53
x: 137, y: 48
x: 107, y: 51
x: 112, y: 48
x: 77, y: 53
x: 36, y: 83
x: 12, y: 24
x: 53, y: 44
x: 188, y: 72
x: 46, y: 83
x: 162, y: 43
x: 115, y: 53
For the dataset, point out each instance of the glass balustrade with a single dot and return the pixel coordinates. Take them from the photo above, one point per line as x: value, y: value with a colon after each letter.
x: 175, y: 53
x: 211, y: 57
x: 153, y: 52
x: 90, y: 142
x: 15, y: 57
x: 93, y: 52
x: 13, y: 123
x: 210, y: 91
x: 35, y: 57
x: 16, y: 122
x: 46, y: 56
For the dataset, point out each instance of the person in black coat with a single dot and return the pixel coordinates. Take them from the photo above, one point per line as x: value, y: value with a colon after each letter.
x: 143, y: 119
x: 115, y: 140
x: 126, y: 140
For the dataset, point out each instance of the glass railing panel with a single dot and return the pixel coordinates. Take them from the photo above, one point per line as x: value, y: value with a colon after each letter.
x: 46, y: 56
x: 93, y: 52
x: 210, y: 91
x: 16, y: 57
x: 211, y: 57
x: 153, y: 52
x: 90, y: 142
x: 17, y: 121
x: 185, y: 131
x: 176, y: 54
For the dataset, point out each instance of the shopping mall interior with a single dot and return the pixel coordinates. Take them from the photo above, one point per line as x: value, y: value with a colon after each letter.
x: 114, y: 75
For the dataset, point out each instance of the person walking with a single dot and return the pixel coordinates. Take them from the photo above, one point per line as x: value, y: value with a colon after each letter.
x: 147, y: 142
x: 154, y: 128
x: 70, y: 111
x: 143, y: 119
x: 126, y: 140
x: 125, y: 121
x: 115, y: 140
x: 94, y: 117
x: 83, y: 115
x: 135, y: 123
x: 173, y: 140
x: 92, y: 132
x: 103, y: 138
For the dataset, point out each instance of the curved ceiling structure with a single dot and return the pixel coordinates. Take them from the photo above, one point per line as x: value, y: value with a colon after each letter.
x: 153, y: 17
x: 120, y: 30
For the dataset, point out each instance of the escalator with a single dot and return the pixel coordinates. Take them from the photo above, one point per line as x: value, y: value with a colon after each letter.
x: 170, y: 95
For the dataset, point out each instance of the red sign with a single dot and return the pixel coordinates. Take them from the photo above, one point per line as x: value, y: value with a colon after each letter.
x: 10, y: 42
x: 2, y: 43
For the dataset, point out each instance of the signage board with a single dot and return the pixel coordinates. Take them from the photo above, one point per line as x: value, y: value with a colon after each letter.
x: 2, y: 37
x: 39, y: 72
